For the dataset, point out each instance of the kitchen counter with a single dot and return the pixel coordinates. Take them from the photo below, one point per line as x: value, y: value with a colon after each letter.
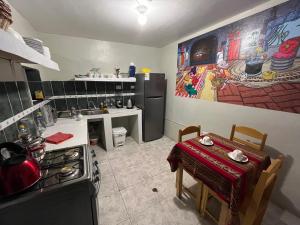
x: 80, y: 128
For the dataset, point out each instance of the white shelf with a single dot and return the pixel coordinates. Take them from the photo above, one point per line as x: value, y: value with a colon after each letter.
x: 127, y: 79
x: 6, y: 123
x: 13, y: 49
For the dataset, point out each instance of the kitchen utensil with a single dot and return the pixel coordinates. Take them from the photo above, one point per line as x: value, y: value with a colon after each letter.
x: 37, y: 148
x: 18, y: 169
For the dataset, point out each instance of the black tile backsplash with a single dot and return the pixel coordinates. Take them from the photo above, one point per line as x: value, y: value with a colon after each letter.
x: 91, y: 87
x: 14, y: 97
x: 110, y: 88
x: 82, y: 103
x: 61, y: 104
x: 72, y: 102
x: 58, y: 88
x: 80, y: 87
x: 47, y: 88
x: 24, y: 94
x: 6, y: 111
x: 11, y: 132
x: 2, y: 137
x: 69, y: 87
x: 100, y: 86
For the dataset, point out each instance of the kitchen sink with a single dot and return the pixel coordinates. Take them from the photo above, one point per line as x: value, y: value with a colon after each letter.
x: 93, y: 112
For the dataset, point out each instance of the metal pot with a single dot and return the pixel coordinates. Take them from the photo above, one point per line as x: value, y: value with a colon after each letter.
x: 18, y: 169
x: 37, y: 148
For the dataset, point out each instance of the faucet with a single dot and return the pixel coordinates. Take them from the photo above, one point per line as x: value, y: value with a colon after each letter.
x: 93, y: 104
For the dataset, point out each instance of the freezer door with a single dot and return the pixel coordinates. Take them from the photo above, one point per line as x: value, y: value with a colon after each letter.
x: 155, y: 87
x: 153, y: 118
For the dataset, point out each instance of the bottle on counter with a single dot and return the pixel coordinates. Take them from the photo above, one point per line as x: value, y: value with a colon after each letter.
x: 132, y: 70
x: 40, y: 123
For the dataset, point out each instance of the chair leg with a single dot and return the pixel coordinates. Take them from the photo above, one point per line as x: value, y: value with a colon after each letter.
x: 223, y: 214
x: 203, y: 200
x: 179, y: 174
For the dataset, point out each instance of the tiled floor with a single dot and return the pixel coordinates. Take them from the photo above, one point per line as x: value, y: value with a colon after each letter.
x: 129, y: 174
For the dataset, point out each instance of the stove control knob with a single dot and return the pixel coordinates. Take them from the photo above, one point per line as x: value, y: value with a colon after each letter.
x: 96, y: 173
x: 97, y: 179
x: 96, y: 163
x: 93, y: 153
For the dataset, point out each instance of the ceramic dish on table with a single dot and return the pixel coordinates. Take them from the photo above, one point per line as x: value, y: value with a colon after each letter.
x: 206, y: 142
x: 243, y: 159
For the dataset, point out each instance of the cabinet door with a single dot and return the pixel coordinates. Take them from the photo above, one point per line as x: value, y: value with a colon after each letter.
x: 153, y: 118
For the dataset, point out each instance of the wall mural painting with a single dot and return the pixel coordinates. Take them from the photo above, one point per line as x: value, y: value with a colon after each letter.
x: 252, y: 62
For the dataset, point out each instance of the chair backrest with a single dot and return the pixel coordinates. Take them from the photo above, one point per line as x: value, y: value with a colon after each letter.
x: 262, y: 192
x: 188, y: 130
x: 253, y: 133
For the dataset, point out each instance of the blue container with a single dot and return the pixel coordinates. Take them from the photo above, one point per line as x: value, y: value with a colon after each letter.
x: 131, y: 70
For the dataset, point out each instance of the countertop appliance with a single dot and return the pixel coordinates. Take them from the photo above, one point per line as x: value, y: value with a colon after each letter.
x: 129, y: 104
x: 18, y: 169
x: 119, y: 103
x: 65, y: 194
x: 151, y: 97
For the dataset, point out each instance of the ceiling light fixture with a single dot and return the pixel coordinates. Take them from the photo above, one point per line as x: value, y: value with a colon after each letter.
x: 142, y: 10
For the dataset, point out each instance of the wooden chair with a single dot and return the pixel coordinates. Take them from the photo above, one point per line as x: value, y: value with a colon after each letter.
x: 179, y: 173
x: 254, y: 205
x: 253, y: 133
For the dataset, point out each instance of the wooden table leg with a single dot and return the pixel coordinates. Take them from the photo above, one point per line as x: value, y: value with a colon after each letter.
x: 203, y: 200
x: 223, y: 215
x: 179, y: 174
x: 199, y: 195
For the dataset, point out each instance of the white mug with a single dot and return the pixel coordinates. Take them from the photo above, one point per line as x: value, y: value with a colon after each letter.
x: 238, y: 154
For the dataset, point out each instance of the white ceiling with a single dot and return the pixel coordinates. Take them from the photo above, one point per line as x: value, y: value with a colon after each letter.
x: 116, y: 20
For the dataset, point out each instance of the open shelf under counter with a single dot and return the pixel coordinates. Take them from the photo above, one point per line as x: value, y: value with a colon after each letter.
x: 125, y: 79
x: 13, y: 49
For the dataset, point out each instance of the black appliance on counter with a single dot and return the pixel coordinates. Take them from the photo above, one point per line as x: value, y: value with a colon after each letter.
x: 65, y: 194
x: 151, y: 97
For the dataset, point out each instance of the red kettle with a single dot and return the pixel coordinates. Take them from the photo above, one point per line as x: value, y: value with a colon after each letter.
x: 18, y: 169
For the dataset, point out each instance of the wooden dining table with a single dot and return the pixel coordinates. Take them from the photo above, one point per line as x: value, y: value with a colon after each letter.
x: 231, y: 180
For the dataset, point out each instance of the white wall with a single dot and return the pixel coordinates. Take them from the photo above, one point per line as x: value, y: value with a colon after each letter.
x: 283, y: 128
x: 78, y: 55
x: 21, y: 25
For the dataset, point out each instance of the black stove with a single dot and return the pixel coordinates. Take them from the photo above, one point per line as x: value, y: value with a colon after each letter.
x: 70, y: 179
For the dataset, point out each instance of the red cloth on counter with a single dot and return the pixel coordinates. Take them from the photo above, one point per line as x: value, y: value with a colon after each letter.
x: 58, y: 138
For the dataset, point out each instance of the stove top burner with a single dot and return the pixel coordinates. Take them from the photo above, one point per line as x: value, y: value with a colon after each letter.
x: 66, y: 171
x: 71, y: 154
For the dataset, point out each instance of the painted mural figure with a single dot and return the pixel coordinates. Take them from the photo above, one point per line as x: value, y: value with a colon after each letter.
x: 253, y: 62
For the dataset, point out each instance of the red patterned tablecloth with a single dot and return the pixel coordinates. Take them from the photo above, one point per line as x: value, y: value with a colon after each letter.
x: 229, y: 179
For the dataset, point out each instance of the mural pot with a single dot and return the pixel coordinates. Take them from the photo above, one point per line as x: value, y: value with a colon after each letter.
x: 254, y: 67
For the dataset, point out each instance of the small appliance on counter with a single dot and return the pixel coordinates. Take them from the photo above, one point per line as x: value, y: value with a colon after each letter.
x: 129, y: 104
x: 119, y: 103
x: 18, y: 169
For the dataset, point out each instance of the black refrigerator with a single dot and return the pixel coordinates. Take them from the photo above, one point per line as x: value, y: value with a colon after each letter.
x: 151, y: 98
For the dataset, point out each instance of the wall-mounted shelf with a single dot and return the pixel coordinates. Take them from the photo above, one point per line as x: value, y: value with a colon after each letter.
x: 127, y: 79
x: 13, y: 49
x: 6, y: 123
